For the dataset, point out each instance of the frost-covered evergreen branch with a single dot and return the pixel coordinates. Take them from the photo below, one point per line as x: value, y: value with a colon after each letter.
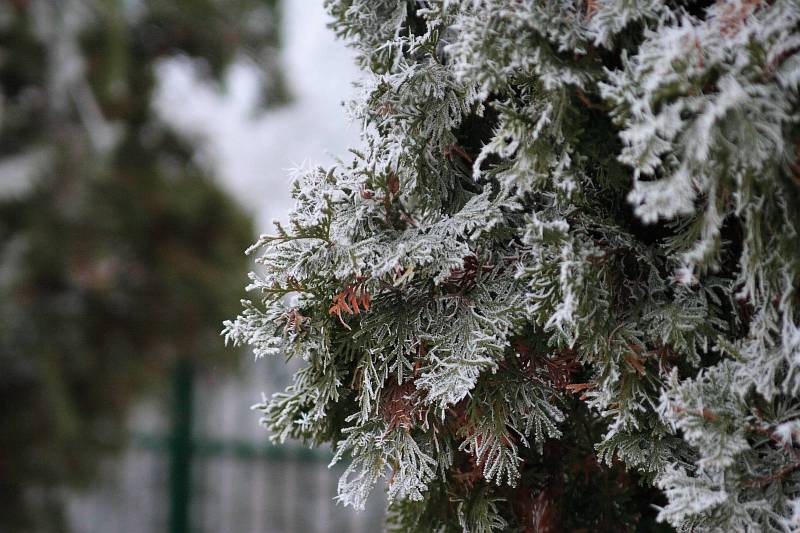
x: 558, y: 284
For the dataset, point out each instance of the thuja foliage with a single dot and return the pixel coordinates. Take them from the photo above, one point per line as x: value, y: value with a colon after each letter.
x: 556, y: 287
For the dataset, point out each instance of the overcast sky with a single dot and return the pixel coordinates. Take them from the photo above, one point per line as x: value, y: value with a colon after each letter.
x: 251, y: 153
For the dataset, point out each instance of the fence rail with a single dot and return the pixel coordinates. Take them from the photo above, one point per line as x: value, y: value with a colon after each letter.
x: 201, y: 466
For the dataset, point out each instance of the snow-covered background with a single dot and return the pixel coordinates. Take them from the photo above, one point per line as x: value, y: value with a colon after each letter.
x: 253, y: 151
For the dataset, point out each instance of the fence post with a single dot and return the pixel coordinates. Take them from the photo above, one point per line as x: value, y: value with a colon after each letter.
x: 180, y: 447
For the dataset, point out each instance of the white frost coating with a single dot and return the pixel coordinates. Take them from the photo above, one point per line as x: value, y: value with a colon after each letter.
x: 681, y: 308
x: 788, y: 433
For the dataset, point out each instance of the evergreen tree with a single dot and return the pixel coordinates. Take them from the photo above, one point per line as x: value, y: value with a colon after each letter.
x: 118, y: 254
x: 556, y: 288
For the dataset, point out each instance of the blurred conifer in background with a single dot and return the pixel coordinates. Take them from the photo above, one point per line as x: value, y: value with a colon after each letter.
x: 118, y: 253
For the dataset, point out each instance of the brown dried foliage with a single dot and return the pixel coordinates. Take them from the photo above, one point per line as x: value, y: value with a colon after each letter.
x: 351, y: 301
x: 733, y: 16
x: 401, y: 405
x: 294, y: 321
x: 465, y: 277
x: 559, y: 368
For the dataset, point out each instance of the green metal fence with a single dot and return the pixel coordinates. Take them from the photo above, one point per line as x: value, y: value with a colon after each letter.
x: 188, y: 475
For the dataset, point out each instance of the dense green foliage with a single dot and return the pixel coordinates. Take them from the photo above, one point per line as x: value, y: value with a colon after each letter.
x: 557, y: 287
x: 117, y: 253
